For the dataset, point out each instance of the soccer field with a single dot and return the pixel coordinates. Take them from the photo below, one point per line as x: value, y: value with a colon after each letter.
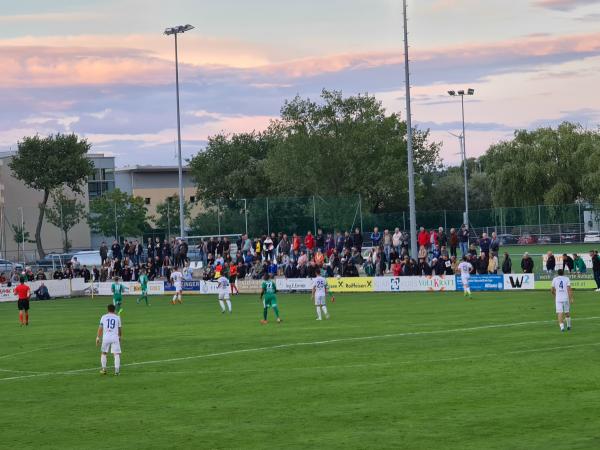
x: 430, y: 371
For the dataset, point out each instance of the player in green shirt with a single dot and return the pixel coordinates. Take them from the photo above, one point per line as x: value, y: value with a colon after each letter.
x: 269, y: 298
x: 117, y: 291
x: 143, y: 280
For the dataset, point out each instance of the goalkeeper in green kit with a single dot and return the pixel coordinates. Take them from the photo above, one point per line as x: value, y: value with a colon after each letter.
x: 269, y: 298
x: 143, y: 280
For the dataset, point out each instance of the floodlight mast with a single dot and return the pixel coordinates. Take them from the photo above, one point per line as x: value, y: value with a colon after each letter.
x: 175, y: 31
x: 462, y: 94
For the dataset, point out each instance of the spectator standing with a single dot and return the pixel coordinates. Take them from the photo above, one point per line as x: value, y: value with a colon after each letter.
x: 103, y: 252
x: 527, y: 263
x: 387, y: 247
x: 357, y: 239
x: 442, y: 237
x: 550, y: 263
x: 506, y: 264
x: 329, y: 245
x: 139, y: 251
x: 149, y: 250
x: 568, y: 262
x: 484, y: 244
x: 269, y: 248
x: 495, y: 244
x: 296, y: 243
x: 376, y: 237
x: 397, y: 241
x: 463, y: 239
x: 482, y: 264
x: 309, y: 243
x: 453, y: 242
x: 116, y: 250
x: 596, y: 267
x: 423, y: 238
x: 339, y: 243
x: 348, y: 244
x: 493, y: 264
x: 320, y: 240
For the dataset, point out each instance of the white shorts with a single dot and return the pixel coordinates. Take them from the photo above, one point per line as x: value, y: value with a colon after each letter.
x: 114, y: 346
x: 178, y: 288
x: 563, y: 307
x: 223, y: 295
x: 320, y: 300
x: 465, y: 281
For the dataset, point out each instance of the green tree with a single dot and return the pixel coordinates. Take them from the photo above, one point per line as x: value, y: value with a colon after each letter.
x: 46, y: 164
x: 343, y: 146
x: 64, y: 214
x: 118, y: 213
x: 167, y: 217
x: 238, y: 163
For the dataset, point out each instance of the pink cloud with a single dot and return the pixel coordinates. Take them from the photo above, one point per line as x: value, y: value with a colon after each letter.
x: 563, y: 5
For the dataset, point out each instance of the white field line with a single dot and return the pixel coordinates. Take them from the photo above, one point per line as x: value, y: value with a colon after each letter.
x: 325, y: 342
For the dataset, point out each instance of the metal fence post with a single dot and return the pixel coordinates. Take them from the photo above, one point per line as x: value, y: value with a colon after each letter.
x: 246, y: 214
x: 360, y: 211
x: 219, y: 216
x: 314, y: 215
x: 445, y: 221
x: 540, y: 218
x: 404, y: 220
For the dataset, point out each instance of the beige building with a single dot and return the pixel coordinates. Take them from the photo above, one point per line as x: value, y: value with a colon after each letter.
x: 19, y: 204
x: 155, y: 184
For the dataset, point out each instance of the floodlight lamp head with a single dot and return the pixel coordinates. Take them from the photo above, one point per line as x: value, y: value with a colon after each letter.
x: 461, y: 92
x: 179, y: 29
x: 471, y: 91
x: 452, y: 93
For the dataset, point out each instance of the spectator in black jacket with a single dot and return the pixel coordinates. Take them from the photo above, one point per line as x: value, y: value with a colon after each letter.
x: 527, y: 263
x: 568, y: 262
x: 596, y: 267
x: 116, y: 250
x: 506, y: 264
x: 357, y: 239
x: 550, y: 263
x: 463, y: 239
x: 482, y: 264
x: 495, y: 244
x: 484, y: 244
x: 424, y: 267
x: 319, y: 240
x: 85, y: 273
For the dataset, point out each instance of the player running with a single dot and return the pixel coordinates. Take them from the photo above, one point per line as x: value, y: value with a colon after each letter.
x: 319, y: 291
x: 177, y: 280
x: 110, y: 330
x: 223, y: 289
x: 563, y: 295
x: 23, y: 292
x: 465, y: 268
x: 117, y: 290
x: 269, y: 298
x: 143, y: 280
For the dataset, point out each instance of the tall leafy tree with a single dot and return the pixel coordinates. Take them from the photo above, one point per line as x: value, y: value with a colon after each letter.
x: 20, y: 235
x: 49, y: 163
x: 65, y: 213
x: 117, y: 213
x: 168, y: 214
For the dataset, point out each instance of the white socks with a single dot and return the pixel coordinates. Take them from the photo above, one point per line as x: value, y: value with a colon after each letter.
x: 103, y: 361
x: 175, y: 297
x: 568, y: 322
x: 117, y: 362
x: 228, y: 304
x: 562, y: 326
x: 318, y: 313
x: 324, y: 308
x: 222, y: 303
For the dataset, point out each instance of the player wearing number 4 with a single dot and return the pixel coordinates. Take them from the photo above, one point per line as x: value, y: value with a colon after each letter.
x: 319, y: 292
x: 109, y: 332
x: 563, y: 295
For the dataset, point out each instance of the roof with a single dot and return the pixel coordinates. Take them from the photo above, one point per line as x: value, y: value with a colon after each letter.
x: 151, y: 169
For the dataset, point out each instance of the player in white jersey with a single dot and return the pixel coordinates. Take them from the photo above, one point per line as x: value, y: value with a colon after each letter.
x: 223, y: 289
x: 563, y: 296
x: 465, y: 268
x: 319, y: 292
x: 177, y: 280
x: 110, y: 332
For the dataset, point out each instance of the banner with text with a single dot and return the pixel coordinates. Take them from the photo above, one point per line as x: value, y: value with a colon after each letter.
x: 519, y: 281
x: 354, y: 284
x: 415, y: 284
x: 578, y: 281
x: 482, y: 283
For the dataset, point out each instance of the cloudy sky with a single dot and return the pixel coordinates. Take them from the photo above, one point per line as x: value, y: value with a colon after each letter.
x: 104, y: 70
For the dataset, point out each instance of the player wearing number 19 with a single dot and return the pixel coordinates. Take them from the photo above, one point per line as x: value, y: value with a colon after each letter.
x: 110, y: 332
x: 561, y: 289
x: 269, y: 298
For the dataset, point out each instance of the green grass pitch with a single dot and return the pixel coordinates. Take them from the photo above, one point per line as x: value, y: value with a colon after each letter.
x: 414, y: 371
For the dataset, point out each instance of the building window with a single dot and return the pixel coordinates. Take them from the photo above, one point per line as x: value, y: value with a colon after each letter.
x: 193, y: 199
x: 147, y: 200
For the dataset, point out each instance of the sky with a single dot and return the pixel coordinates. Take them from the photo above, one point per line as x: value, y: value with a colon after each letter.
x: 105, y: 70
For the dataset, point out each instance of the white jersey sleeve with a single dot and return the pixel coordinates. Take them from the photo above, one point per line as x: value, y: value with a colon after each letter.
x: 110, y: 324
x: 561, y: 285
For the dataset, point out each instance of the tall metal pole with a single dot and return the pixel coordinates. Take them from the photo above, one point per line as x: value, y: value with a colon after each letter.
x: 360, y: 209
x: 268, y: 223
x: 246, y: 214
x: 314, y: 216
x: 464, y: 151
x: 181, y: 198
x: 116, y: 229
x: 23, y: 235
x: 409, y: 144
x: 169, y: 217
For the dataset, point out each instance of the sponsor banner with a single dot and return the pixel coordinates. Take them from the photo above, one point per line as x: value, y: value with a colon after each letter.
x: 559, y: 260
x: 518, y: 281
x: 295, y: 284
x: 131, y: 288
x: 415, y: 284
x: 578, y: 281
x: 249, y: 286
x: 353, y: 284
x: 195, y: 286
x: 56, y: 288
x: 482, y: 283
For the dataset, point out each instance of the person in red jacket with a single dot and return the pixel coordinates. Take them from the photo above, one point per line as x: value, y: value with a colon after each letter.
x: 309, y: 242
x: 23, y: 293
x: 295, y: 242
x: 423, y: 238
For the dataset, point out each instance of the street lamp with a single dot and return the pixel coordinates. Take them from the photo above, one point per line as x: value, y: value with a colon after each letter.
x: 462, y: 94
x: 175, y: 31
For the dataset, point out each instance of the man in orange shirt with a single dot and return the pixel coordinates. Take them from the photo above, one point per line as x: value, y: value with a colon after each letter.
x: 233, y: 278
x: 23, y: 293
